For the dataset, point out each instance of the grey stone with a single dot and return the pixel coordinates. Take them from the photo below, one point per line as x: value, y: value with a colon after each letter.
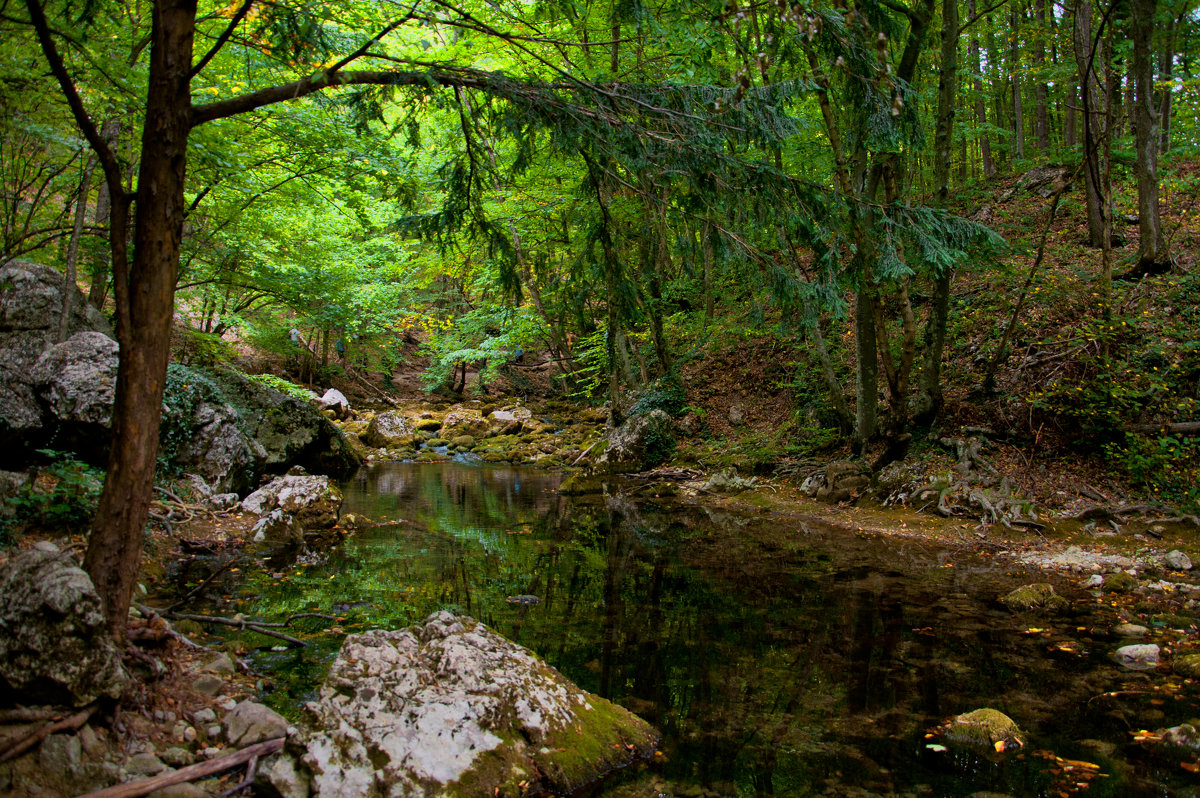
x: 278, y: 526
x: 280, y: 775
x: 61, y: 753
x: 205, y: 715
x: 77, y: 380
x: 335, y: 401
x: 312, y: 502
x: 213, y: 731
x: 208, y: 685
x: 54, y: 642
x: 1138, y: 657
x: 408, y: 712
x: 142, y: 765
x: 637, y: 444
x: 1176, y: 560
x: 1130, y: 630
x: 185, y: 790
x: 219, y: 663
x: 90, y: 741
x: 391, y: 429
x: 1095, y: 580
x: 250, y: 723
x: 218, y: 448
x: 177, y: 757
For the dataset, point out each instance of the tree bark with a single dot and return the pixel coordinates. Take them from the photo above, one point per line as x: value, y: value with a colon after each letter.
x: 947, y: 91
x: 1086, y: 62
x: 1152, y: 247
x: 85, y: 185
x: 1018, y: 106
x: 144, y: 331
x: 1040, y: 91
x: 985, y: 143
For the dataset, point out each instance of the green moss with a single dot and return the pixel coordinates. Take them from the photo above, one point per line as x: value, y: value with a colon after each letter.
x: 1040, y: 596
x: 1187, y: 666
x: 1120, y: 582
x: 984, y: 729
x: 581, y: 485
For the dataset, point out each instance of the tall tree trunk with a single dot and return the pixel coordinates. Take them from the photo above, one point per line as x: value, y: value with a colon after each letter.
x: 947, y: 95
x: 866, y: 419
x: 1040, y: 91
x: 706, y: 247
x: 1071, y: 119
x: 985, y: 144
x: 1152, y: 248
x: 1166, y: 77
x: 1018, y: 106
x: 1087, y: 64
x: 85, y: 186
x: 144, y: 327
x: 101, y: 267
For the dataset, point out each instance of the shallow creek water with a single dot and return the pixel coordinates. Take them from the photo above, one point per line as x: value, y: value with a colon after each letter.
x: 776, y: 658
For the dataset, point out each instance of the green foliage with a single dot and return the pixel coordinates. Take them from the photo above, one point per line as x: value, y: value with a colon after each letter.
x: 61, y: 497
x: 660, y: 444
x: 283, y: 386
x: 591, y: 355
x: 490, y: 336
x: 665, y: 394
x: 197, y: 348
x: 186, y: 388
x: 1166, y: 467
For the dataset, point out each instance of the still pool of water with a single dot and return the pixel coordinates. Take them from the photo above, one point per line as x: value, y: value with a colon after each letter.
x: 776, y: 657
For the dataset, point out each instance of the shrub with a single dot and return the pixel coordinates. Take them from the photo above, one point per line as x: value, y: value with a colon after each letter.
x: 62, y: 496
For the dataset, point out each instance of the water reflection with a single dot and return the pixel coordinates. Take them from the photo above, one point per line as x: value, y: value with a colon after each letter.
x: 776, y: 658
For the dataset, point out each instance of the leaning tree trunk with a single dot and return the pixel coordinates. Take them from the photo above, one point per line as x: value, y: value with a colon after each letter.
x: 1152, y: 248
x: 144, y: 330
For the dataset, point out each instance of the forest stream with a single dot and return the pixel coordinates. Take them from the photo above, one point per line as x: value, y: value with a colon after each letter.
x: 775, y: 657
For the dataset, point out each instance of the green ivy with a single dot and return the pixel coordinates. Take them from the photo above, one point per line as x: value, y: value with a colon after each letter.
x: 62, y: 496
x: 665, y: 394
x: 283, y: 386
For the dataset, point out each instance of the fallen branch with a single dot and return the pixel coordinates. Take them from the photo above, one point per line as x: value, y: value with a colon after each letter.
x: 66, y: 724
x: 1178, y: 428
x: 253, y: 626
x: 200, y: 770
x: 23, y: 715
x: 207, y: 580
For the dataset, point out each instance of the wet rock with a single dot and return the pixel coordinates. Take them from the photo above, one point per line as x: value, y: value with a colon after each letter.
x: 1040, y: 596
x: 642, y: 442
x: 462, y: 442
x: 1187, y: 666
x: 312, y: 502
x: 250, y: 723
x: 464, y: 421
x: 1130, y: 630
x: 987, y: 729
x: 1078, y: 560
x: 1093, y: 581
x: 390, y: 430
x: 1183, y: 736
x: 1177, y: 561
x: 1138, y: 657
x: 54, y: 643
x: 278, y: 526
x: 450, y: 702
x: 336, y: 402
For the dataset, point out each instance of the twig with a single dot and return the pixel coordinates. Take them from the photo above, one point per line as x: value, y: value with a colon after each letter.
x: 207, y: 580
x: 23, y: 715
x: 71, y: 723
x: 254, y: 626
x: 200, y: 770
x: 251, y: 768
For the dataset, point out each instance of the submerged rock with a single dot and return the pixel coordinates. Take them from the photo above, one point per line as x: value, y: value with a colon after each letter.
x: 1187, y: 666
x: 1139, y: 657
x: 54, y: 643
x: 985, y: 729
x: 1040, y: 596
x: 451, y: 708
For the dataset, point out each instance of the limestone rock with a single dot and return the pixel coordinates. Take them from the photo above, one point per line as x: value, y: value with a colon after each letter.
x: 312, y: 502
x: 451, y: 708
x: 509, y: 421
x: 1139, y: 657
x: 54, y: 642
x: 1130, y: 630
x: 335, y: 401
x: 464, y: 421
x: 643, y: 441
x: 77, y: 379
x: 250, y: 723
x: 391, y: 429
x: 289, y: 430
x: 1177, y: 561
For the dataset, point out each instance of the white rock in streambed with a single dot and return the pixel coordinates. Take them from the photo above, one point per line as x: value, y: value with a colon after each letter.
x: 1138, y: 657
x: 450, y: 707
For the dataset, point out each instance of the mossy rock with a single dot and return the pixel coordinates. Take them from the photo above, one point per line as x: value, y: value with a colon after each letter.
x: 428, y: 424
x: 1173, y: 621
x: 1040, y: 596
x: 1119, y: 582
x: 581, y: 485
x: 440, y: 441
x: 985, y: 729
x: 1187, y: 666
x: 463, y: 441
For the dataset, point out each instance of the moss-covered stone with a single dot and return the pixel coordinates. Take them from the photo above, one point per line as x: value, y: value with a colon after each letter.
x: 1119, y: 582
x: 1187, y: 666
x: 985, y: 729
x: 1040, y: 596
x: 581, y: 485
